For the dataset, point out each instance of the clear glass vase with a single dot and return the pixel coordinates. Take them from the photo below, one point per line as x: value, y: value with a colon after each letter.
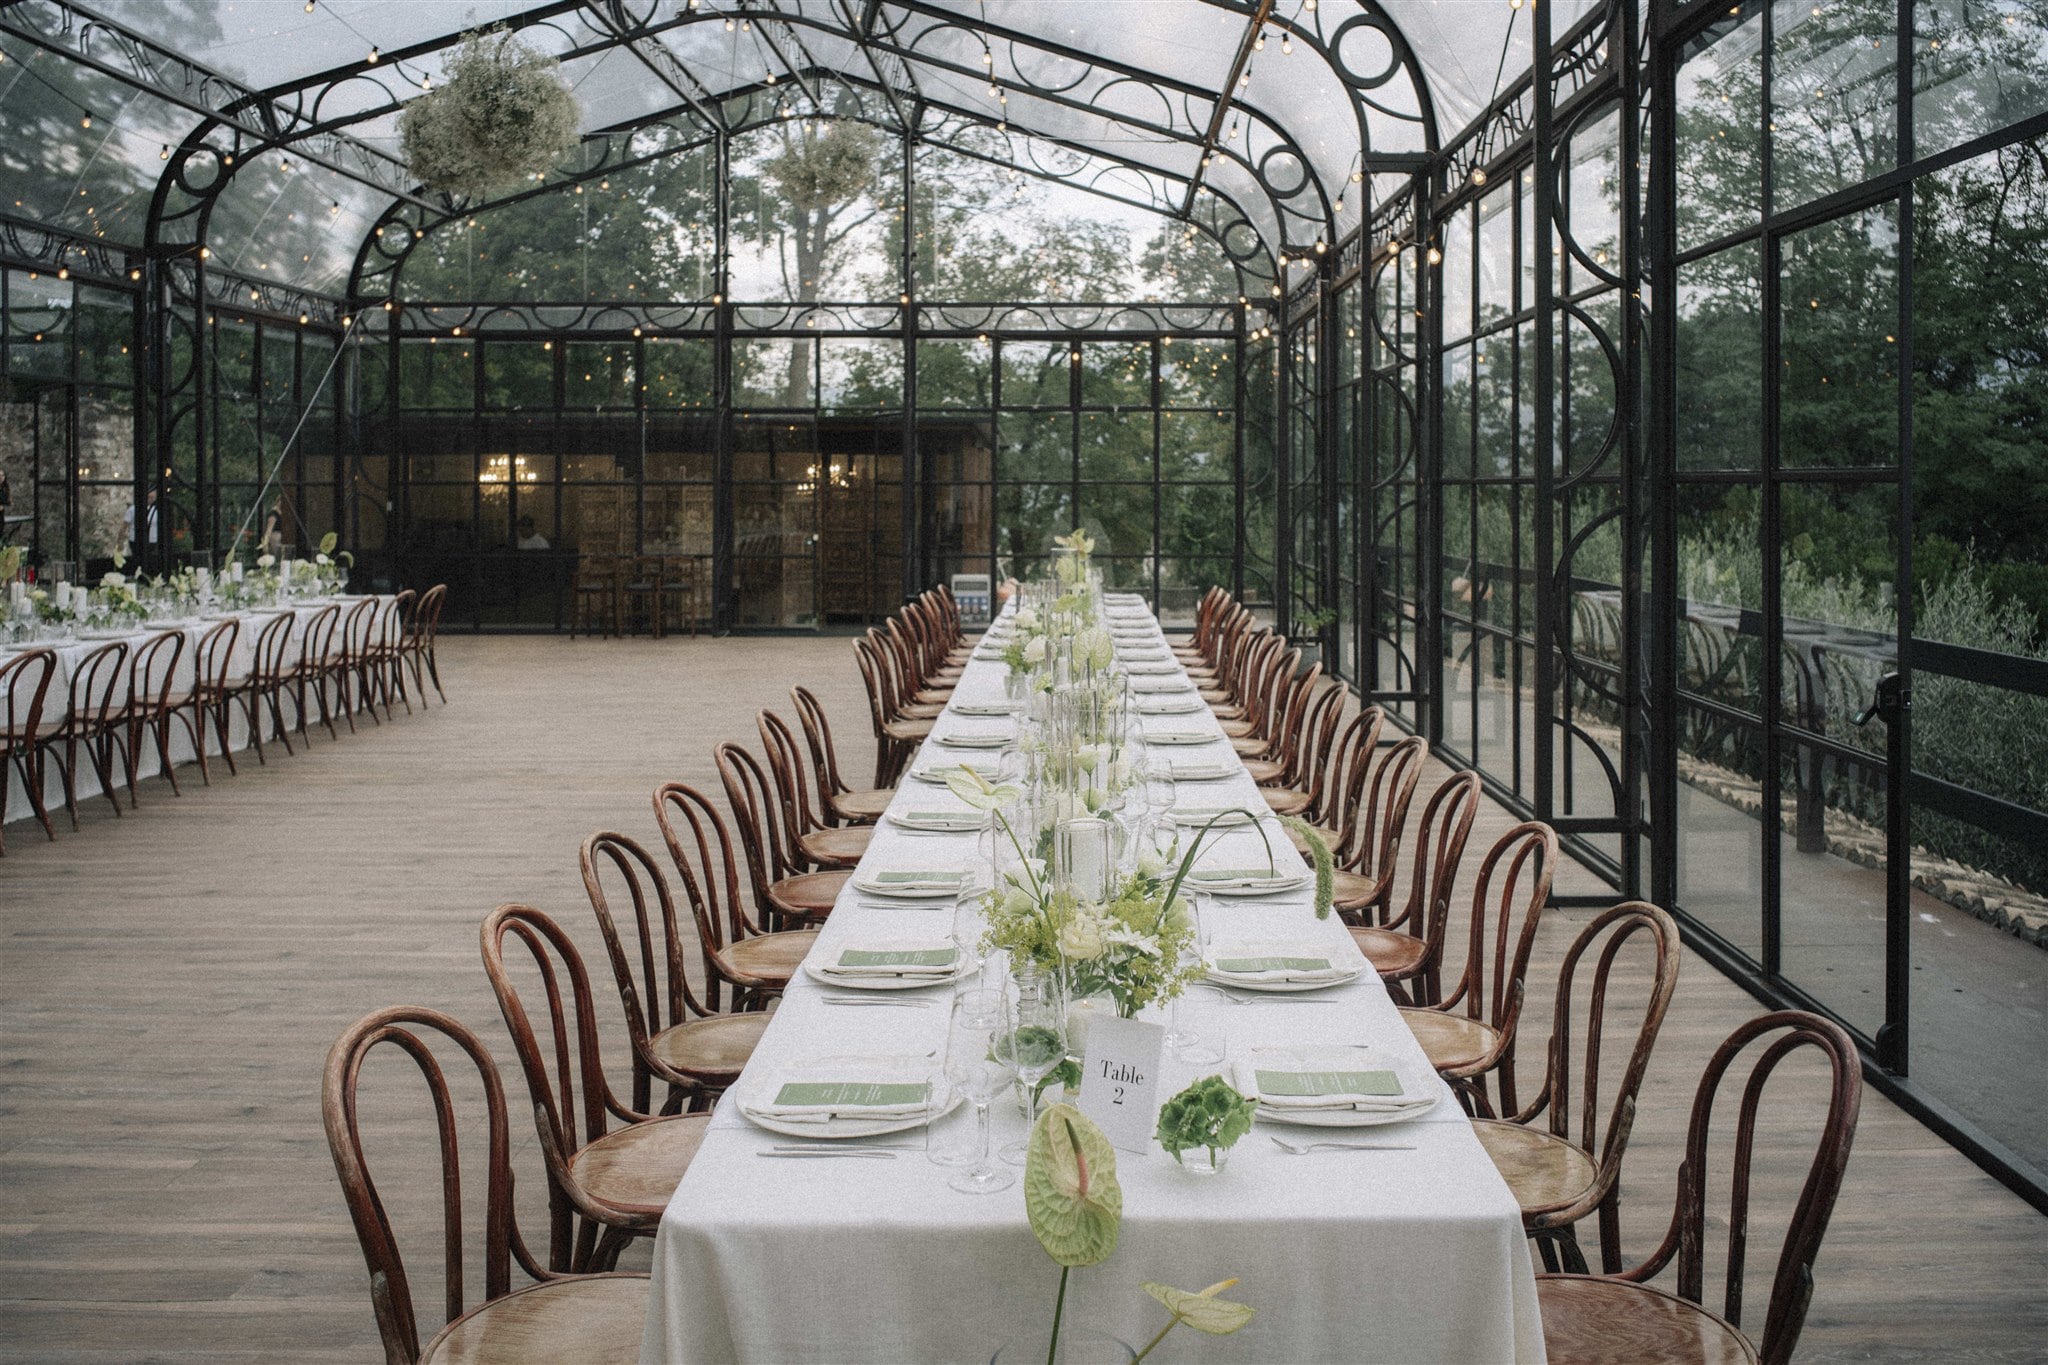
x: 1077, y: 1346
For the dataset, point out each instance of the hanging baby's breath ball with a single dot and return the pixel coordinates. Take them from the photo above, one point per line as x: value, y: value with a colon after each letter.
x: 504, y: 116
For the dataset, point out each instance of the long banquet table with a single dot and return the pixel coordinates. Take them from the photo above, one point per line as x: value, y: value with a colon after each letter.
x: 70, y: 653
x: 1409, y: 1256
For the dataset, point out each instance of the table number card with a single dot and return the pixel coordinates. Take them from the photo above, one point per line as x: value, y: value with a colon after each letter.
x: 1120, y: 1080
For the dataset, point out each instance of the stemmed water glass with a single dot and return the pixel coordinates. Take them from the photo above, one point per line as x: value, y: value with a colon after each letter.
x: 980, y: 1023
x: 1037, y: 1043
x: 1182, y: 1040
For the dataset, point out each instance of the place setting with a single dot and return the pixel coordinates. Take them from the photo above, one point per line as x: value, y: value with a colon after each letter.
x: 1333, y: 1086
x: 845, y: 1099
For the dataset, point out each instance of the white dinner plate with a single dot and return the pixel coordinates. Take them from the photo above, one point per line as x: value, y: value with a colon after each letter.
x: 1343, y: 1118
x: 1238, y: 983
x: 899, y: 892
x: 966, y: 822
x: 970, y: 740
x: 1271, y: 887
x: 967, y: 966
x: 1183, y: 737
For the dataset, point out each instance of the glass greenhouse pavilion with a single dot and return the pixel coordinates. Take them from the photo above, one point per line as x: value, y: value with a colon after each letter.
x: 1645, y: 404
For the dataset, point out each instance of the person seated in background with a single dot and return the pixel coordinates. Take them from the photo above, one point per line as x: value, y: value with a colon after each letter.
x: 530, y: 537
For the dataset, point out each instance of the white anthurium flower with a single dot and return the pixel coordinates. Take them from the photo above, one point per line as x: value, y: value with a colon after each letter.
x: 112, y: 580
x: 1027, y: 618
x: 1093, y: 647
x: 1117, y: 935
x: 1034, y: 652
x: 1150, y: 864
x: 322, y: 559
x: 1018, y: 901
x: 265, y: 561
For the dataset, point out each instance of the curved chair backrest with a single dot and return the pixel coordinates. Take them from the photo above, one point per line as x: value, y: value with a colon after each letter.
x: 358, y: 629
x: 751, y: 798
x: 411, y: 1029
x: 573, y: 1103
x: 810, y: 712
x: 93, y: 684
x: 1513, y: 886
x: 214, y: 661
x: 1318, y: 729
x: 1602, y: 943
x: 152, y: 669
x: 316, y: 646
x: 1380, y: 812
x: 24, y: 691
x: 1440, y: 841
x: 800, y: 815
x: 398, y: 623
x: 273, y: 645
x: 1354, y: 746
x: 700, y: 845
x: 653, y: 985
x: 869, y: 660
x: 426, y: 621
x: 1777, y: 1036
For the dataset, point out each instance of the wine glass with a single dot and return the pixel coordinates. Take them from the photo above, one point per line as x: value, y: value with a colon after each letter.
x: 1181, y: 1038
x: 979, y: 1024
x: 1037, y: 1043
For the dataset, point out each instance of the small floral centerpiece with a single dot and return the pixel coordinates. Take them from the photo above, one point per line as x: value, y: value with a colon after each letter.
x: 117, y: 597
x: 504, y: 116
x: 1209, y: 1116
x: 1070, y: 557
x: 10, y: 562
x: 1076, y: 1207
x: 1129, y: 943
x: 334, y: 565
x: 1026, y: 648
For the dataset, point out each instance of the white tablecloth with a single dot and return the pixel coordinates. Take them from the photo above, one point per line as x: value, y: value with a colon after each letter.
x: 71, y: 653
x: 1405, y: 1256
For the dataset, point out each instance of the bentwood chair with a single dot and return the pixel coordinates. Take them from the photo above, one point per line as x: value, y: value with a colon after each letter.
x: 896, y: 738
x: 263, y: 686
x: 1298, y: 787
x: 606, y: 1184
x: 810, y: 840
x: 1603, y: 1319
x: 783, y: 890
x: 595, y: 1318
x: 1265, y: 751
x: 92, y: 721
x: 1560, y: 1175
x: 315, y: 666
x: 24, y: 688
x: 739, y: 951
x: 387, y: 650
x: 678, y: 1040
x: 354, y: 678
x: 910, y: 696
x: 849, y: 806
x: 419, y: 642
x: 152, y: 671
x: 1470, y: 1033
x: 1407, y: 949
x: 211, y: 695
x: 1379, y: 787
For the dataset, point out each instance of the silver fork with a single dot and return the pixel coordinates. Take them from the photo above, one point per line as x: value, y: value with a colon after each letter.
x: 1304, y: 1148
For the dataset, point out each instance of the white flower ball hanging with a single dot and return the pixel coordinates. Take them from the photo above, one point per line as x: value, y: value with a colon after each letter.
x: 504, y: 116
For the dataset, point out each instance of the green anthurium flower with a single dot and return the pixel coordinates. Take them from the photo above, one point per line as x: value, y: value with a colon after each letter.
x: 328, y: 542
x: 1203, y: 1311
x: 1071, y: 1193
x: 977, y: 791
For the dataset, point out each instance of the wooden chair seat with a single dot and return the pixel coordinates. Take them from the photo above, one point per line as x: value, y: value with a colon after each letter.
x: 1249, y: 746
x: 1236, y: 728
x: 909, y: 731
x: 1285, y: 800
x: 1545, y: 1171
x: 1264, y: 770
x: 809, y: 895
x: 864, y: 806
x: 1353, y: 890
x: 635, y: 1169
x: 769, y: 960
x: 1330, y: 837
x: 841, y: 847
x: 596, y: 1318
x: 922, y: 710
x: 714, y: 1049
x: 1450, y: 1041
x: 1215, y: 696
x: 932, y: 696
x: 1391, y: 952
x: 1588, y: 1320
x: 943, y: 677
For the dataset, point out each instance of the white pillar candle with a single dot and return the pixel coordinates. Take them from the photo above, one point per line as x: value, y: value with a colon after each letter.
x: 1084, y: 858
x: 235, y: 571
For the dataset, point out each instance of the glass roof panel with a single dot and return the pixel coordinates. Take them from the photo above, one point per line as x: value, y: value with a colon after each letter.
x: 299, y: 227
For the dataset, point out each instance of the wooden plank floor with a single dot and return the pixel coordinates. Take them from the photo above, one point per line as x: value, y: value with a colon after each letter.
x: 170, y: 983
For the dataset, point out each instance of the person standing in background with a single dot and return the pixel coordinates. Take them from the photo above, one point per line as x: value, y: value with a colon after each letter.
x: 145, y: 540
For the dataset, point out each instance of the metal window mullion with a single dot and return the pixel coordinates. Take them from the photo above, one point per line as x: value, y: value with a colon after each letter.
x: 1772, y: 681
x: 1544, y: 445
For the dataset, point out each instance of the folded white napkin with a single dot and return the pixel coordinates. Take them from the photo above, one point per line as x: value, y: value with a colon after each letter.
x: 852, y: 1088
x: 1178, y: 704
x: 944, y: 821
x: 1162, y: 736
x: 1279, y: 878
x: 1327, y: 1079
x: 1161, y: 687
x: 1276, y: 962
x: 985, y: 708
x: 937, y: 773
x: 1202, y: 770
x: 917, y: 881
x: 970, y: 739
x: 1162, y: 666
x: 893, y: 958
